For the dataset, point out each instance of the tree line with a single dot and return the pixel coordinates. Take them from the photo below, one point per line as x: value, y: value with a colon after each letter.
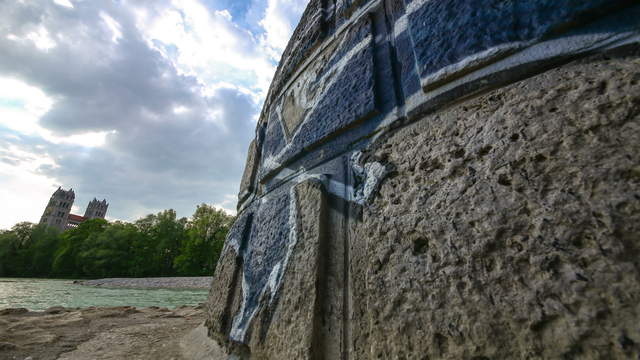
x: 157, y: 245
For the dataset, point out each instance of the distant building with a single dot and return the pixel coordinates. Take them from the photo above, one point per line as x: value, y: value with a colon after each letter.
x: 58, y: 211
x: 96, y: 209
x: 75, y: 220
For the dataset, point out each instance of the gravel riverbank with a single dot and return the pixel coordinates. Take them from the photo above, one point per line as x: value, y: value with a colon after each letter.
x: 195, y: 282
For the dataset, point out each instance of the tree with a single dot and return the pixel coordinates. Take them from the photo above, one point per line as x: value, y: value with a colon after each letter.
x: 108, y: 253
x: 15, y: 249
x: 66, y: 261
x: 10, y: 262
x: 43, y: 246
x: 27, y: 250
x: 166, y: 234
x: 142, y: 249
x: 157, y: 245
x: 169, y: 233
x: 23, y: 230
x: 206, y: 232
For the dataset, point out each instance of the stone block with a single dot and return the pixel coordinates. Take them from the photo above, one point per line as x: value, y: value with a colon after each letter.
x: 250, y: 169
x: 274, y: 142
x: 306, y: 37
x: 263, y: 259
x: 345, y: 8
x: 334, y: 92
x: 351, y: 97
x: 225, y: 295
x: 288, y: 327
x: 454, y: 37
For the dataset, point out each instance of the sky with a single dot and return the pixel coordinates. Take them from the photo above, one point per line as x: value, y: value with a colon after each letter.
x: 150, y: 104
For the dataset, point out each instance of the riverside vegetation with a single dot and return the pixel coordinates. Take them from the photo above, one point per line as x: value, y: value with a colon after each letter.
x: 157, y: 245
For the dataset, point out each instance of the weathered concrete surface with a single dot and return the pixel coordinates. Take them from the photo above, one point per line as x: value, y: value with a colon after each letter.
x: 224, y: 297
x: 249, y: 175
x: 511, y: 227
x: 444, y: 180
x: 294, y: 316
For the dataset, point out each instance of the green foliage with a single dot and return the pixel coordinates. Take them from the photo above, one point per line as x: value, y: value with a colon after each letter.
x: 27, y: 249
x: 44, y: 243
x: 67, y: 261
x: 205, y: 237
x: 10, y: 263
x: 156, y: 245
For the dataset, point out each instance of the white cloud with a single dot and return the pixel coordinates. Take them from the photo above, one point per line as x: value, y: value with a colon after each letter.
x: 65, y: 3
x: 22, y: 106
x: 228, y: 205
x: 41, y: 39
x: 114, y: 27
x: 87, y: 139
x: 180, y: 109
x: 279, y: 21
x: 24, y: 192
x: 207, y: 45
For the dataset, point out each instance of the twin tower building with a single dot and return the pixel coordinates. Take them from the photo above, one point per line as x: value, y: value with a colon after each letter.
x: 58, y: 211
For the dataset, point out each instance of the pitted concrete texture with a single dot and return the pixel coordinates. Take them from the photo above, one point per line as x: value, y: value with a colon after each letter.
x: 294, y: 317
x: 224, y: 297
x: 442, y: 180
x: 511, y: 228
x: 249, y: 175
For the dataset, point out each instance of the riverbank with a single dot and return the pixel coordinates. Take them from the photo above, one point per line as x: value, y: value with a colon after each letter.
x: 103, y: 333
x: 193, y: 282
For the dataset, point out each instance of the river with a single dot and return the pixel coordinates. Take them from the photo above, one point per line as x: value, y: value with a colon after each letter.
x: 40, y: 294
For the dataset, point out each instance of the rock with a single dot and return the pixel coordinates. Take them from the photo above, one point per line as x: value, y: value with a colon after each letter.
x: 7, y: 346
x: 442, y: 180
x: 55, y: 310
x: 13, y: 311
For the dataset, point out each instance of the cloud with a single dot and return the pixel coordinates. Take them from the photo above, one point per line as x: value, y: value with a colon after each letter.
x: 280, y: 19
x: 150, y: 104
x: 65, y: 3
x: 207, y: 45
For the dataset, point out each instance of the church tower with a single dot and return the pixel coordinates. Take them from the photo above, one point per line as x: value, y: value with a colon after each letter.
x: 96, y: 209
x: 56, y: 213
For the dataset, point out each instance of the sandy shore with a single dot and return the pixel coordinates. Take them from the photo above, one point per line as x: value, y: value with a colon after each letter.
x: 196, y: 282
x: 122, y: 332
x: 104, y: 333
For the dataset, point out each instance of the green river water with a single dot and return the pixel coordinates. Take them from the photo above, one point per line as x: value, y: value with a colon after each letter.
x: 40, y: 294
